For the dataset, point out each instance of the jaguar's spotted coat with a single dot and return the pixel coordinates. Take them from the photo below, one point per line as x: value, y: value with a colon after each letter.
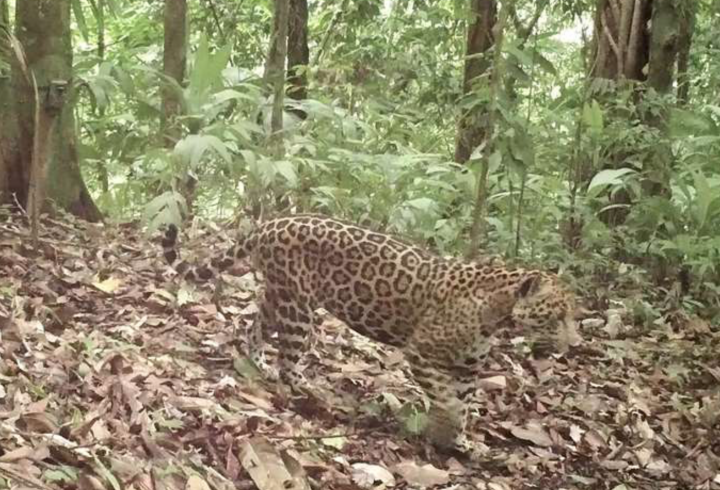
x: 437, y: 311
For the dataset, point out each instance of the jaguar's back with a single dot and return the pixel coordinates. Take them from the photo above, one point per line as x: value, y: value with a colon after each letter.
x: 376, y: 284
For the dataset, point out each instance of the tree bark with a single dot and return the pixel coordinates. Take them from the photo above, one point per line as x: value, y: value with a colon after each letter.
x: 43, y: 28
x: 687, y: 27
x: 471, y: 124
x: 276, y: 74
x: 298, y: 53
x: 174, y: 65
x: 670, y: 34
x: 5, y: 107
x: 621, y: 39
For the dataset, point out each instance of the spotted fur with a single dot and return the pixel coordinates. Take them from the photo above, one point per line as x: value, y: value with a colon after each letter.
x: 439, y: 312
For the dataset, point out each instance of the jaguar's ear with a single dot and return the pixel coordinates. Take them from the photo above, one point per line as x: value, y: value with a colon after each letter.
x: 528, y: 286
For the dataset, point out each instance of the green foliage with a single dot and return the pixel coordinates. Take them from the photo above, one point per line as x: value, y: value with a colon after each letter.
x: 378, y: 140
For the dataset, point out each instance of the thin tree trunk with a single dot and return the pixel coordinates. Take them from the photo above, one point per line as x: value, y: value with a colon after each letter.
x: 99, y: 6
x: 174, y: 63
x: 477, y: 231
x: 298, y: 53
x: 276, y: 73
x: 471, y: 130
x: 174, y: 66
x: 5, y: 106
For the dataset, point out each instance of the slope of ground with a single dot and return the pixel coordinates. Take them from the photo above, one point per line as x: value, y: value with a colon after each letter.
x: 115, y: 374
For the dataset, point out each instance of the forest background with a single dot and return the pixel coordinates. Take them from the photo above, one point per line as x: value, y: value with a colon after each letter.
x: 579, y: 134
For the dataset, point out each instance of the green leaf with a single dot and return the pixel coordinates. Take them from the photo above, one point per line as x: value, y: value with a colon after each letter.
x: 413, y: 420
x: 703, y: 198
x: 545, y: 64
x: 192, y: 148
x: 607, y: 177
x: 164, y: 209
x: 593, y: 117
x: 287, y: 170
x: 495, y: 161
x: 337, y: 442
x: 423, y: 204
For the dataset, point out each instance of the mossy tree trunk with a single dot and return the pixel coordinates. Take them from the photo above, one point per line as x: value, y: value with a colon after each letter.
x: 43, y: 29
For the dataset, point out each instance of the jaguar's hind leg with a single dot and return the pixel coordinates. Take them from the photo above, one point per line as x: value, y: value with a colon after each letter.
x: 257, y: 346
x: 296, y: 328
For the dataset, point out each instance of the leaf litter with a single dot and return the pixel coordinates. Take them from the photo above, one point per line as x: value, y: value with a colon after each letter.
x: 115, y: 374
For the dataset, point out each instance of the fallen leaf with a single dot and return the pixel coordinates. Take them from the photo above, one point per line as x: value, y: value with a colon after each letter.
x: 534, y: 433
x: 493, y: 383
x: 370, y: 475
x: 109, y: 285
x: 196, y: 483
x: 423, y: 476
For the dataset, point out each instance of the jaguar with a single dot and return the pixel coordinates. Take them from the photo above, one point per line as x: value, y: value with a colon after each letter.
x: 437, y: 311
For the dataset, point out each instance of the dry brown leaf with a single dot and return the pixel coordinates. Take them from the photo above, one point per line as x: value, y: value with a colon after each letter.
x: 493, y: 383
x: 265, y: 466
x: 422, y: 476
x: 372, y: 476
x: 196, y: 483
x: 534, y: 433
x: 108, y: 286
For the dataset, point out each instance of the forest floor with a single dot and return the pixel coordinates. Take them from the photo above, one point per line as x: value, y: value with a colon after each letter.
x: 115, y: 374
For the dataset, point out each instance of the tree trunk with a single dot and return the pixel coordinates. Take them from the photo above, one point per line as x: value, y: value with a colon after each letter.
x: 621, y: 39
x: 471, y: 130
x: 43, y: 28
x: 298, y: 53
x: 687, y: 27
x: 174, y: 65
x: 670, y: 34
x: 276, y: 75
x: 620, y: 53
x: 5, y: 107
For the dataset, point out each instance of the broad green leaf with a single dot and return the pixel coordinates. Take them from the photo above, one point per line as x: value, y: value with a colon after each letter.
x: 607, y: 177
